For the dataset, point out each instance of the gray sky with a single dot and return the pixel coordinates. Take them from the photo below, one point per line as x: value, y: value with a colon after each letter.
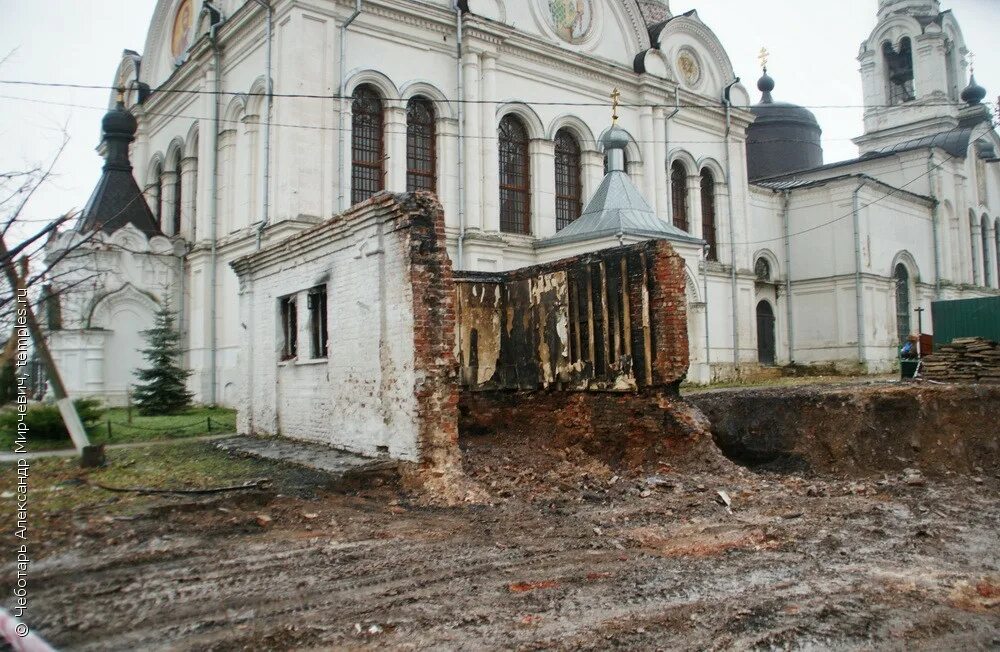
x: 813, y: 45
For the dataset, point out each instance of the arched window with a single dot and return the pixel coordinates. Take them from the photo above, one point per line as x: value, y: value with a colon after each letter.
x: 367, y: 145
x: 421, y: 146
x: 679, y: 195
x: 158, y: 194
x: 902, y: 276
x: 899, y: 71
x: 515, y: 176
x: 973, y: 223
x: 708, y: 213
x: 178, y: 194
x: 987, y: 264
x: 568, y: 186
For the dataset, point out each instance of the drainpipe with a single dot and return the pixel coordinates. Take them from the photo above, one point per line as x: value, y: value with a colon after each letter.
x: 343, y: 102
x: 704, y: 296
x: 935, y: 216
x: 459, y: 264
x: 213, y: 37
x: 732, y: 233
x: 269, y: 89
x: 786, y: 200
x: 858, y: 299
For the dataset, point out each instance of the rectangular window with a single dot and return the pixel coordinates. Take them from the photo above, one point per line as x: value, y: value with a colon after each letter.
x: 289, y: 328
x: 317, y: 322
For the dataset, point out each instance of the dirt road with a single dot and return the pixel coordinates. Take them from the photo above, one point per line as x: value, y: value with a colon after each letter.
x: 569, y: 556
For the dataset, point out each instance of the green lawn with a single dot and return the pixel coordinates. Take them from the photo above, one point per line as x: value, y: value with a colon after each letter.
x: 193, y: 423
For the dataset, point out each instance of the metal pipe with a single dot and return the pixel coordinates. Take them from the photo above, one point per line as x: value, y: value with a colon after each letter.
x: 732, y: 233
x: 858, y: 298
x: 704, y: 298
x: 269, y: 90
x: 459, y: 264
x: 935, y: 216
x: 213, y: 37
x: 342, y: 200
x: 789, y: 315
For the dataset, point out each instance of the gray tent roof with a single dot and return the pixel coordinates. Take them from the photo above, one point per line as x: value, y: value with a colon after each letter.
x: 618, y: 207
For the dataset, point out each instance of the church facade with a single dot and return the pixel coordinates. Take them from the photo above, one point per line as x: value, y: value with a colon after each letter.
x: 255, y: 121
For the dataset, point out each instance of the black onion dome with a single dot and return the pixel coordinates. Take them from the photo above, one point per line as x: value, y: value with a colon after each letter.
x: 783, y: 138
x: 119, y: 121
x: 973, y: 93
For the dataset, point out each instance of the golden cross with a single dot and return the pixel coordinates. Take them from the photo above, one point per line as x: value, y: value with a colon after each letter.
x: 972, y: 62
x: 121, y: 95
x: 764, y: 54
x: 615, y: 96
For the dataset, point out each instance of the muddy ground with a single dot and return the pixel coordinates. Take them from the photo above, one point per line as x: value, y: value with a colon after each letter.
x: 569, y: 555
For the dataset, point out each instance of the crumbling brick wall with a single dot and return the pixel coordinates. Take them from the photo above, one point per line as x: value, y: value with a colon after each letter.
x: 387, y: 384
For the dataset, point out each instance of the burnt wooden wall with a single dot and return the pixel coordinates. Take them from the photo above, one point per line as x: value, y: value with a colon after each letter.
x: 609, y: 320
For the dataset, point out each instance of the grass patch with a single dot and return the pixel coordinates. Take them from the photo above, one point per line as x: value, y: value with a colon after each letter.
x: 193, y: 423
x: 59, y: 488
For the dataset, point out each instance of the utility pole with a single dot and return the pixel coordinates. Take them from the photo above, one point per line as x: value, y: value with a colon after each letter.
x: 89, y: 455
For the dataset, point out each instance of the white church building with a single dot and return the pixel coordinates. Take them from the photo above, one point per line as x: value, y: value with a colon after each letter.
x: 249, y: 121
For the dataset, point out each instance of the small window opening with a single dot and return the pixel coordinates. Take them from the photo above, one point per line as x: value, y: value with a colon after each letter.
x: 317, y: 322
x: 289, y: 328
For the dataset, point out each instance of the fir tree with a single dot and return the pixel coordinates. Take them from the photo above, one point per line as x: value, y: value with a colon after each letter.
x: 162, y: 388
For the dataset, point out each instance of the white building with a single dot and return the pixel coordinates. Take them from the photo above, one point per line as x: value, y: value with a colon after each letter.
x: 499, y: 107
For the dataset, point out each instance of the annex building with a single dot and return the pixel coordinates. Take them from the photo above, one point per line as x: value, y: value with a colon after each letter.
x: 245, y: 124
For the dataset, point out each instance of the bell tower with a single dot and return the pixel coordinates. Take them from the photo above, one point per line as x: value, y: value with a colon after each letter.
x: 912, y: 72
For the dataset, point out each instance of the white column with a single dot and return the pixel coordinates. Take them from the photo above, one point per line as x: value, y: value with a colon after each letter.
x: 543, y: 187
x: 991, y: 247
x: 975, y: 249
x: 189, y: 197
x: 658, y: 166
x: 473, y: 160
x: 694, y: 204
x: 168, y: 181
x: 648, y: 149
x: 592, y: 173
x: 488, y: 145
x: 395, y: 149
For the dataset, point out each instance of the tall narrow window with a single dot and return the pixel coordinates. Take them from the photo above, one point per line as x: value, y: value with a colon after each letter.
x: 972, y: 247
x: 421, y: 149
x: 987, y: 264
x: 708, y: 213
x: 318, y: 337
x: 367, y: 146
x: 568, y: 186
x: 902, y: 302
x: 289, y: 328
x: 515, y: 177
x: 178, y: 196
x: 158, y: 191
x: 679, y: 195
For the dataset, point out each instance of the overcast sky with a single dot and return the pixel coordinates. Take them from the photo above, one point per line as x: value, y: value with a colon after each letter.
x: 813, y: 45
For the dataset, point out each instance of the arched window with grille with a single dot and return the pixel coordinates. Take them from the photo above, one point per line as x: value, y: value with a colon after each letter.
x: 157, y: 191
x: 515, y: 176
x: 178, y: 194
x: 679, y: 195
x: 367, y: 144
x: 568, y: 187
x: 902, y: 276
x: 421, y: 145
x: 708, y: 213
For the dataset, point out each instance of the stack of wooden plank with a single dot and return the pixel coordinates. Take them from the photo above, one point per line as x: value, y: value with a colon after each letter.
x: 965, y: 360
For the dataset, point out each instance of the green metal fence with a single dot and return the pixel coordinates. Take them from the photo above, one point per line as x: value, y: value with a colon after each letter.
x: 966, y: 318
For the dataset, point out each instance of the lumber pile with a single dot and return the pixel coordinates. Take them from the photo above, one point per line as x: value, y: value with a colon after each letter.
x: 965, y: 360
